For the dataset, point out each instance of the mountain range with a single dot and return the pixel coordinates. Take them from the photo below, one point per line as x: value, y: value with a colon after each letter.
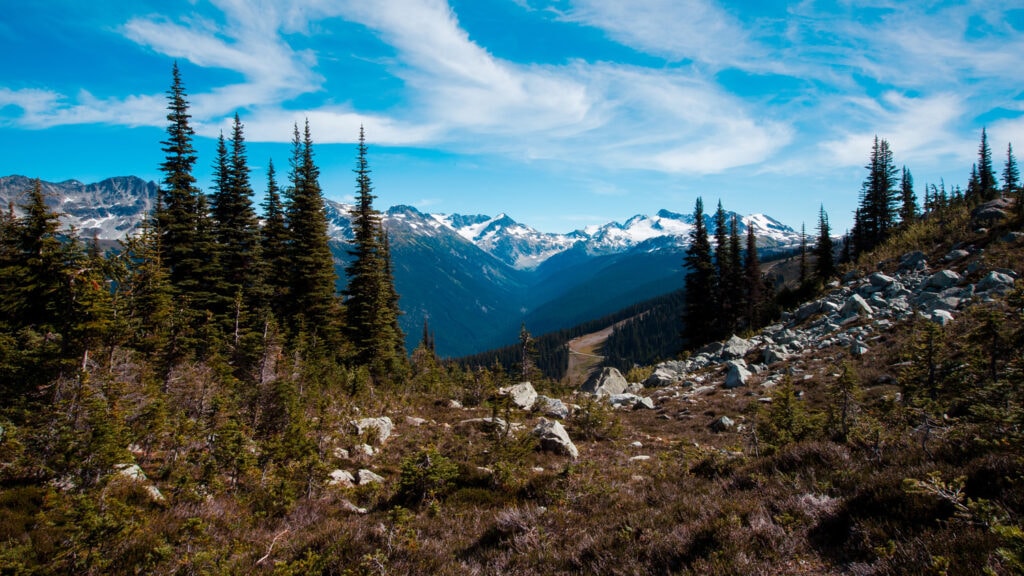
x: 474, y: 278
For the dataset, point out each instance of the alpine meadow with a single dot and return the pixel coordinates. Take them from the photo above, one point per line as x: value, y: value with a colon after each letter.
x: 221, y: 352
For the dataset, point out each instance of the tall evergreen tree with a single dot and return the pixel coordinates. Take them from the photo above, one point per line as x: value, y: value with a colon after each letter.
x: 734, y: 282
x: 754, y: 297
x: 179, y: 211
x: 235, y: 223
x: 1011, y: 174
x: 372, y: 301
x: 803, y: 254
x: 699, y: 318
x: 824, y: 265
x: 908, y: 207
x: 275, y: 248
x: 721, y: 291
x: 876, y: 214
x: 988, y: 188
x: 314, y: 306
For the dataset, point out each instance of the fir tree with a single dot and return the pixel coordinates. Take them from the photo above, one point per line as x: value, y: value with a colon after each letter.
x: 876, y: 214
x: 753, y: 282
x: 908, y: 208
x: 1011, y: 177
x: 973, y: 194
x: 803, y: 254
x: 699, y: 316
x: 312, y: 291
x: 274, y: 248
x: 988, y: 188
x: 824, y: 265
x: 723, y: 266
x: 372, y: 304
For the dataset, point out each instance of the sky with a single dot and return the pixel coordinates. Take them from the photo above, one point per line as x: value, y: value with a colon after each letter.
x: 559, y: 113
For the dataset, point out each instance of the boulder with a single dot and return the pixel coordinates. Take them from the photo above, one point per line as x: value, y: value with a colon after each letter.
x: 996, y: 281
x: 132, y: 473
x: 554, y: 438
x: 737, y: 374
x: 856, y: 305
x: 381, y: 426
x: 722, y: 424
x: 941, y: 280
x: 342, y: 478
x: 735, y: 347
x: 858, y: 348
x: 774, y: 353
x: 941, y: 317
x: 605, y: 383
x: 522, y: 395
x: 487, y: 424
x: 913, y: 261
x: 1012, y: 237
x: 364, y: 477
x: 880, y: 280
x: 552, y: 407
x: 955, y: 255
x: 807, y: 310
x: 991, y: 212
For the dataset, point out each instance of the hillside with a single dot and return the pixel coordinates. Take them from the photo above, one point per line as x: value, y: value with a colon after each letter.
x: 855, y: 436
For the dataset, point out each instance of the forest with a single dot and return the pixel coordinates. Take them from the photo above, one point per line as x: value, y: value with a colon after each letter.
x: 192, y: 402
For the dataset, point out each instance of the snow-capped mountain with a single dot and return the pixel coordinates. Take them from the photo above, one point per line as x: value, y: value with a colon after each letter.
x: 475, y: 277
x: 109, y: 209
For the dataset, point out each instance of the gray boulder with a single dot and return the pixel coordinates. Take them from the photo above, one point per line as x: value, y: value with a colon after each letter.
x: 735, y: 347
x: 913, y: 261
x: 807, y: 310
x: 941, y: 317
x: 605, y: 383
x: 774, y: 353
x: 954, y: 255
x: 857, y: 305
x: 342, y: 478
x: 552, y: 407
x: 880, y: 280
x: 364, y: 477
x: 486, y: 424
x: 942, y: 279
x: 995, y: 281
x: 382, y: 425
x: 991, y: 212
x: 554, y: 438
x: 522, y: 395
x: 723, y: 424
x: 737, y: 374
x: 663, y: 376
x: 858, y: 348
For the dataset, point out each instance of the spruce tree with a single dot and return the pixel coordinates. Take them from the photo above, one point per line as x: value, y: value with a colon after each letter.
x: 803, y: 254
x: 721, y: 290
x: 908, y: 208
x: 699, y: 317
x: 734, y: 283
x: 824, y: 265
x: 314, y: 306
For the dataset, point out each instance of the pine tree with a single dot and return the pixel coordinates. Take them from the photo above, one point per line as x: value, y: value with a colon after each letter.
x: 699, y: 318
x: 1011, y: 178
x: 908, y: 208
x: 973, y: 194
x: 734, y: 283
x: 146, y: 307
x: 824, y: 266
x: 988, y: 188
x: 723, y: 266
x: 314, y: 306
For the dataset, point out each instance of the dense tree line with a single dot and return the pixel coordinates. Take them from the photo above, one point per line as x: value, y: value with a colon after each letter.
x: 202, y: 281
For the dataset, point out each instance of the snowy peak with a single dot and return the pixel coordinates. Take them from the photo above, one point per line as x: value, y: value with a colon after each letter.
x: 515, y: 244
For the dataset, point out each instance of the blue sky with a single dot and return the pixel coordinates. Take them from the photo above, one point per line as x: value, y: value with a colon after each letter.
x: 561, y: 113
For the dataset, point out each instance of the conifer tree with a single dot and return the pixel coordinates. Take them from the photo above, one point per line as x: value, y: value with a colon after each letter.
x: 908, y: 208
x: 274, y: 248
x: 371, y: 307
x: 876, y: 214
x: 698, y: 321
x: 734, y: 282
x: 973, y: 194
x: 1011, y: 175
x: 312, y: 291
x: 752, y: 276
x: 803, y: 254
x: 988, y: 188
x: 824, y: 265
x: 147, y: 306
x: 721, y: 291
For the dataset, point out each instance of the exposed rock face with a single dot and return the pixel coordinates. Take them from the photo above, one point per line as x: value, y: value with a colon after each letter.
x: 605, y: 383
x: 522, y: 395
x: 382, y: 425
x: 554, y: 438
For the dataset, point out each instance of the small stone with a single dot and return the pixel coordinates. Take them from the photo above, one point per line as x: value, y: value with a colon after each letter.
x: 723, y: 424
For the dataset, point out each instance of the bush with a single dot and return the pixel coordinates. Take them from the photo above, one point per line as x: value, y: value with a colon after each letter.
x: 426, y: 475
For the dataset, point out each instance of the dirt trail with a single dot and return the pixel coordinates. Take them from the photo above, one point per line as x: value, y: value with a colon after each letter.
x: 583, y: 357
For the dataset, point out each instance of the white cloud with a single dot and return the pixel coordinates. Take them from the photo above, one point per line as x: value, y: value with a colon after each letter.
x: 697, y: 30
